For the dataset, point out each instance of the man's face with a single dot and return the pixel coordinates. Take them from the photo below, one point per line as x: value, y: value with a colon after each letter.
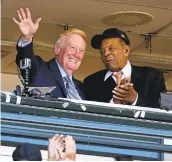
x: 113, y: 54
x: 72, y: 53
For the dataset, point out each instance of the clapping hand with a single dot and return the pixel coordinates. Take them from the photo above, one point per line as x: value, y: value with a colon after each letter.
x: 61, y: 148
x: 125, y: 93
x: 55, y: 148
x: 70, y: 148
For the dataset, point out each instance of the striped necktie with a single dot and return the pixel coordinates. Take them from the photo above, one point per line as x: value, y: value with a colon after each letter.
x: 71, y: 90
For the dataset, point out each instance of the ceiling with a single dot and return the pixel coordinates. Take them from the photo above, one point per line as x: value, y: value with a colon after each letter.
x: 88, y: 15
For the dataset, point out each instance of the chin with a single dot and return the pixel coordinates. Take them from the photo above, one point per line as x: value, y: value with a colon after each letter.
x: 112, y: 68
x: 72, y: 70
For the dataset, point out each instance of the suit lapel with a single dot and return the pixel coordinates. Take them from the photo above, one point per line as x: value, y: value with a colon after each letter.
x: 57, y: 75
x: 135, y: 77
x: 77, y: 86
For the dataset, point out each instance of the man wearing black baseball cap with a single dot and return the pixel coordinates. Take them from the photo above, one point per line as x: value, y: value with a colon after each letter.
x: 121, y: 82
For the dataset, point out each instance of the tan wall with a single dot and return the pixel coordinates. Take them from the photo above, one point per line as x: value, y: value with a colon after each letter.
x: 9, y: 81
x: 168, y: 81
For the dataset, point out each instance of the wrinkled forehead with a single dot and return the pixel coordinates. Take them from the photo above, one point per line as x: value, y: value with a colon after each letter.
x: 110, y: 42
x: 76, y: 40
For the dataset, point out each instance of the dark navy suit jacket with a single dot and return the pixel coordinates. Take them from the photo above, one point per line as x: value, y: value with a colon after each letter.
x: 148, y: 83
x: 44, y: 74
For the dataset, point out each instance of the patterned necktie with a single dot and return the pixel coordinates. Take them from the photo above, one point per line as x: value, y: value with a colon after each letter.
x: 118, y: 77
x: 119, y: 81
x: 71, y: 90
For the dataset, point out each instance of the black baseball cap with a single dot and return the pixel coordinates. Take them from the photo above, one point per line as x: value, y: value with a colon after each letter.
x: 109, y: 33
x: 27, y: 152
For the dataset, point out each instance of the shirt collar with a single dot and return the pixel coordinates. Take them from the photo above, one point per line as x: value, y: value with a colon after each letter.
x: 126, y: 71
x: 62, y: 71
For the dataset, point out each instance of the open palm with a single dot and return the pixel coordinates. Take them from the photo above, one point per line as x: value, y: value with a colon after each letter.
x: 55, y: 148
x: 70, y: 149
x: 26, y: 25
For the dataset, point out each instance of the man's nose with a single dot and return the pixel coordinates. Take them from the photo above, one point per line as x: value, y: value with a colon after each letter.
x: 106, y: 52
x: 77, y: 52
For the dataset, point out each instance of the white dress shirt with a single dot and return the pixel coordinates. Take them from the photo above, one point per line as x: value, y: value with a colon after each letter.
x: 126, y: 72
x: 21, y: 43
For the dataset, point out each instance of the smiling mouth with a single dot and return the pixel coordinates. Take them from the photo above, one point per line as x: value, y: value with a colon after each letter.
x: 73, y: 60
x: 109, y: 61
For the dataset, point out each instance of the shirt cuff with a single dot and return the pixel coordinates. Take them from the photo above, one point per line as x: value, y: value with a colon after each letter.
x: 134, y: 103
x: 21, y: 43
x: 111, y: 101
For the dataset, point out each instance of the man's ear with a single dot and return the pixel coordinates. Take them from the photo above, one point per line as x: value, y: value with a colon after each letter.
x: 57, y: 49
x: 127, y: 50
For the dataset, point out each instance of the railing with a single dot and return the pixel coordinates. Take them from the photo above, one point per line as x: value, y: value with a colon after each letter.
x: 98, y: 129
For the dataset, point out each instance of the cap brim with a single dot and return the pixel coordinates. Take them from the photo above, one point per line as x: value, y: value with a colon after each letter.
x: 109, y: 33
x: 96, y: 41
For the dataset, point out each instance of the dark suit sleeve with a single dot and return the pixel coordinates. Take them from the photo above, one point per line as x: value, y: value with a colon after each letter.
x: 156, y: 86
x: 27, y: 52
x: 86, y: 87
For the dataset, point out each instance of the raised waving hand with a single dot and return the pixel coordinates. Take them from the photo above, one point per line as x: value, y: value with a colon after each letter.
x: 25, y: 23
